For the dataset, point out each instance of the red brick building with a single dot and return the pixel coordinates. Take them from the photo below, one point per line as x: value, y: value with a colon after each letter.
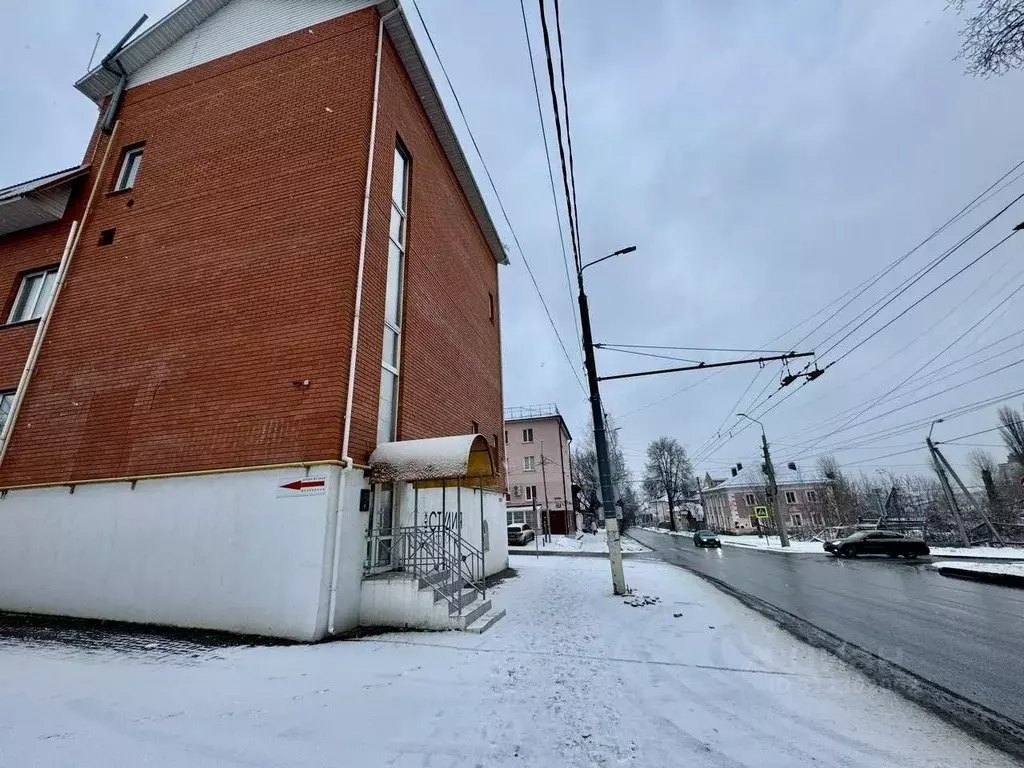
x: 265, y: 190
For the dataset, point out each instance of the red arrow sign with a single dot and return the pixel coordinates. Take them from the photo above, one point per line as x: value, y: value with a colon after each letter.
x: 298, y: 485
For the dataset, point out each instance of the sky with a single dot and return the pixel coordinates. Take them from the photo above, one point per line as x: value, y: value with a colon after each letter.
x: 765, y: 159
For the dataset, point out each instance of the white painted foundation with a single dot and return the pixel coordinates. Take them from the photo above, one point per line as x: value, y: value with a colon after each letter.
x: 220, y: 551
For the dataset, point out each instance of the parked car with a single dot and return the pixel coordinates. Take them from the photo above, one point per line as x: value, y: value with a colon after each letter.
x: 706, y: 539
x: 520, y: 534
x: 665, y: 525
x: 889, y: 543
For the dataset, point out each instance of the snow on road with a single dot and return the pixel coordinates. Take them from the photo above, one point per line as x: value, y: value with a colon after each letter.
x: 587, y: 542
x: 1012, y: 569
x: 679, y: 674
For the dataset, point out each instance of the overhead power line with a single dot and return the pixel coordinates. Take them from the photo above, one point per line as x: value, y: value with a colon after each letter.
x: 568, y: 129
x: 551, y: 175
x: 501, y: 205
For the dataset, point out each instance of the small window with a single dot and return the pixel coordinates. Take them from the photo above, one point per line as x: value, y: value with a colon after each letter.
x: 529, y: 464
x: 790, y: 497
x: 490, y: 306
x: 816, y: 519
x: 528, y: 435
x: 796, y: 520
x: 34, y: 295
x: 475, y: 427
x: 812, y: 496
x: 129, y: 168
x: 531, y: 492
x: 750, y: 499
x: 6, y: 403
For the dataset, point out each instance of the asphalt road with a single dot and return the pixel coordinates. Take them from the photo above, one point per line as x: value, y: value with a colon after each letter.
x: 965, y: 636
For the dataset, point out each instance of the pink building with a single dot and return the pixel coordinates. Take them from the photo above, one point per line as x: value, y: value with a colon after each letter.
x: 538, y: 469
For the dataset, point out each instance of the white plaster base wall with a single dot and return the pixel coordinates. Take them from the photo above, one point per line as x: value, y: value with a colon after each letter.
x: 432, y: 501
x: 218, y: 551
x: 395, y: 600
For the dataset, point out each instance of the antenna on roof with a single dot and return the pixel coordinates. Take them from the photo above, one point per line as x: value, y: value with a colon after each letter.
x: 93, y: 54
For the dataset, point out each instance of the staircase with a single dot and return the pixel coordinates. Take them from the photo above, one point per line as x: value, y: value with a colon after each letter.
x: 427, y: 578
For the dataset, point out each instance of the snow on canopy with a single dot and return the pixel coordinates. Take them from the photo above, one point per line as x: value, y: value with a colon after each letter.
x: 435, y: 458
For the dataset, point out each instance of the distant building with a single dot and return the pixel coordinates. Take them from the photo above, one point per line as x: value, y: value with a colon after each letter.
x: 729, y: 504
x: 538, y: 463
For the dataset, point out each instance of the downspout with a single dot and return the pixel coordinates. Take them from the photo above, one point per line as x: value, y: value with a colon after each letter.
x: 362, y: 247
x: 122, y: 77
x: 334, y: 531
x: 37, y: 343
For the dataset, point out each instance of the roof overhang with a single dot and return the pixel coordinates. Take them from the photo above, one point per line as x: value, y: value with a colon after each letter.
x: 433, y: 460
x: 98, y: 83
x: 40, y: 201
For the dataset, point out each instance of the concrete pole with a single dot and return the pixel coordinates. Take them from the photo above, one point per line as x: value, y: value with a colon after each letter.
x: 547, y: 507
x: 948, y: 491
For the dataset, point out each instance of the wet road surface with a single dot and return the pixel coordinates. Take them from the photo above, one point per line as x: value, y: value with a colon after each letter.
x: 965, y: 636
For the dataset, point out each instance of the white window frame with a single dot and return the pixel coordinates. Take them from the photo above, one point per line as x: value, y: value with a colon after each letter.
x: 515, y: 516
x: 528, y: 435
x: 751, y: 500
x: 790, y: 497
x: 35, y: 294
x: 531, y: 492
x: 812, y: 496
x: 529, y: 463
x: 387, y: 418
x: 796, y: 519
x: 130, y: 165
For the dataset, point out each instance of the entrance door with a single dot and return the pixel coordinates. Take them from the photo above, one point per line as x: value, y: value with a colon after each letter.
x: 381, y: 529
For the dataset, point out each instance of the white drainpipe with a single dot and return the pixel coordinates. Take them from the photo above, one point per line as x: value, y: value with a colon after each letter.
x: 335, y: 532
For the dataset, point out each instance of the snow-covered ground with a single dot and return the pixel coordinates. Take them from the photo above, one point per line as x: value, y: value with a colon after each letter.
x: 588, y: 542
x: 680, y: 674
x: 1002, y: 553
x: 1012, y: 569
x: 773, y: 543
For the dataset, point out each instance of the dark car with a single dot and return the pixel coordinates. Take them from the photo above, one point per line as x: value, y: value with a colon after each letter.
x: 706, y: 539
x: 889, y: 543
x: 665, y: 525
x: 520, y: 534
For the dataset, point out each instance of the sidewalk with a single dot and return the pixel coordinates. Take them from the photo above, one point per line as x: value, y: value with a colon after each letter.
x: 679, y: 674
x: 588, y: 543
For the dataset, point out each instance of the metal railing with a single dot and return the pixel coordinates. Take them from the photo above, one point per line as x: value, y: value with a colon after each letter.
x: 516, y: 412
x: 437, y: 555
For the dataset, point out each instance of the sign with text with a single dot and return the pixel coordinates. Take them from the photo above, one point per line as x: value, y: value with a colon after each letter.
x: 310, y: 485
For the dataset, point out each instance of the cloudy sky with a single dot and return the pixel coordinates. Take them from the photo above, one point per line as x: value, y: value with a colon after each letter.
x: 765, y: 159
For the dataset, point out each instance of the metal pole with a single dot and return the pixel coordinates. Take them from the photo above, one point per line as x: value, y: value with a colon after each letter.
x: 547, y: 507
x: 773, y: 489
x: 458, y: 540
x: 536, y: 544
x: 950, y: 498
x: 970, y: 497
x: 611, y: 523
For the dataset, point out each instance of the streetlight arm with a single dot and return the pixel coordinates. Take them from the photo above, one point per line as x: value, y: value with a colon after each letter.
x: 619, y: 252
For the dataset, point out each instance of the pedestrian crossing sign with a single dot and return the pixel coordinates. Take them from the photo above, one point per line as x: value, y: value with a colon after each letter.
x: 761, y: 513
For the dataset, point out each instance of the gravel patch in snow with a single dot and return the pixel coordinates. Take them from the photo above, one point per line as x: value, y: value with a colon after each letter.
x: 573, y: 677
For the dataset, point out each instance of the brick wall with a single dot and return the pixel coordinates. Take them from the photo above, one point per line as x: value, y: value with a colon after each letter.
x: 232, y: 275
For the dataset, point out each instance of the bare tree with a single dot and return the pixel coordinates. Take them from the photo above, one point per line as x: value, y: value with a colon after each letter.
x: 668, y: 473
x: 984, y: 467
x: 992, y: 38
x: 846, y: 505
x: 1011, y: 429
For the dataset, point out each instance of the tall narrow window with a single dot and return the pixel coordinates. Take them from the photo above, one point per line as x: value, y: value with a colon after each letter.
x: 389, y: 367
x: 129, y: 168
x: 33, y: 295
x: 6, y: 403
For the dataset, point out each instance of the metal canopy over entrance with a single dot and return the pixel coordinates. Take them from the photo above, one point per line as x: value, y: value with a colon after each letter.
x: 434, y: 462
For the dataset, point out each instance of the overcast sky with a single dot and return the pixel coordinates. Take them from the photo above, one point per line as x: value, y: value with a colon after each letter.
x: 765, y: 158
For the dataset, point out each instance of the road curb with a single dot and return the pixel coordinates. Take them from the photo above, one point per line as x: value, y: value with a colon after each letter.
x: 1004, y: 579
x: 995, y: 729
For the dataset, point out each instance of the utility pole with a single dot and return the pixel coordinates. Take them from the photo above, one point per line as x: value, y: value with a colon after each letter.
x: 611, y: 522
x: 773, y: 486
x: 547, y: 509
x: 946, y: 489
x: 970, y: 496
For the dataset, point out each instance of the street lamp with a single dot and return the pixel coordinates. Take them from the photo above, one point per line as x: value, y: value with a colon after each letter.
x: 937, y: 421
x: 611, y: 521
x: 773, y: 486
